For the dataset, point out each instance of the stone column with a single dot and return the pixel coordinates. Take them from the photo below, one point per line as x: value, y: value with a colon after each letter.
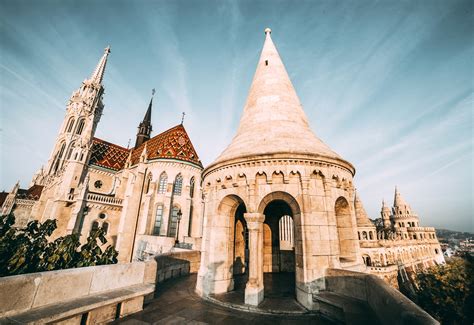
x: 254, y: 287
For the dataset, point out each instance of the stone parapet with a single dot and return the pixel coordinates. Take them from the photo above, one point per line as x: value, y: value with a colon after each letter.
x: 39, y: 297
x: 388, y: 304
x: 176, y: 264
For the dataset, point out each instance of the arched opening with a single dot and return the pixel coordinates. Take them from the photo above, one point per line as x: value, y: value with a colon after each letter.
x: 345, y: 231
x: 241, y: 253
x: 367, y: 260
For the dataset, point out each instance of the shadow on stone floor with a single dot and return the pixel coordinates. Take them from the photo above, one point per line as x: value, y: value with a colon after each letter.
x: 176, y: 303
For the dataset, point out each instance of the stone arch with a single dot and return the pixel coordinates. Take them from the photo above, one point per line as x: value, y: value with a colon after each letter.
x: 345, y: 230
x: 229, y: 213
x: 294, y: 212
x: 283, y: 196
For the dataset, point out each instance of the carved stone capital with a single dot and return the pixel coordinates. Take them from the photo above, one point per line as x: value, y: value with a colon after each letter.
x: 254, y: 220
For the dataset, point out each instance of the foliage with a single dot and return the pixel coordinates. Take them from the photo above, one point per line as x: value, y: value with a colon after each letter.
x: 447, y: 292
x: 28, y: 250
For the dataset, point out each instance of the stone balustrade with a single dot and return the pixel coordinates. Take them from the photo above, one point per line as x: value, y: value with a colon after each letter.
x: 100, y: 198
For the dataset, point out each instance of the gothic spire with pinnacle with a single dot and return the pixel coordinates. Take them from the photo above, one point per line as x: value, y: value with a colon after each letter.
x: 98, y: 74
x: 145, y: 128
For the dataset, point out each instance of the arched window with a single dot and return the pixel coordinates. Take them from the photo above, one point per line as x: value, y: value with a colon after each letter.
x: 191, y: 187
x: 80, y: 126
x: 69, y: 153
x: 364, y: 235
x: 158, y: 220
x: 371, y: 236
x: 61, y: 151
x: 105, y: 227
x: 148, y: 181
x: 95, y: 226
x: 173, y: 223
x: 163, y: 183
x: 59, y: 156
x: 70, y: 124
x: 178, y: 185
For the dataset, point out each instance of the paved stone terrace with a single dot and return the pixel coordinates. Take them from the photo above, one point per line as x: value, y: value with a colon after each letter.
x: 176, y: 303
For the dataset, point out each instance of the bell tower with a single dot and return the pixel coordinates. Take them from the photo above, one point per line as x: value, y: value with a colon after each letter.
x: 83, y: 113
x: 67, y: 165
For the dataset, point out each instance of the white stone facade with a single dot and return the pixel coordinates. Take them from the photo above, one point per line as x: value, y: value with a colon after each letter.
x: 275, y: 169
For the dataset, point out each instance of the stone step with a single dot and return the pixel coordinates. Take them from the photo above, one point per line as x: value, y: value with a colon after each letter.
x: 344, y: 309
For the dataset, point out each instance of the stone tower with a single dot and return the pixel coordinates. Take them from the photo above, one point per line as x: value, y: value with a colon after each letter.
x: 276, y: 194
x: 144, y: 128
x: 385, y: 213
x: 66, y: 168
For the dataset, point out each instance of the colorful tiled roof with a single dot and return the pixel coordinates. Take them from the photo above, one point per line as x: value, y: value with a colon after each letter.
x: 33, y: 193
x: 171, y: 144
x: 108, y: 155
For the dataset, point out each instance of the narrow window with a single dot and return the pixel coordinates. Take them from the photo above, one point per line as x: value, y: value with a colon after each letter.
x: 266, y: 62
x: 178, y: 185
x: 163, y: 183
x: 158, y: 220
x: 173, y: 223
x: 95, y: 226
x: 69, y: 153
x: 191, y: 187
x: 105, y: 227
x: 148, y: 181
x: 70, y: 125
x: 80, y: 126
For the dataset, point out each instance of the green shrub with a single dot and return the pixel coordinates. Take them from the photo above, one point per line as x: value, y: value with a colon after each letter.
x: 28, y: 250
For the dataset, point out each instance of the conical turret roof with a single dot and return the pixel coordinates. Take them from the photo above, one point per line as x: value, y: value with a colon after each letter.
x: 273, y: 120
x: 398, y: 200
x: 361, y: 215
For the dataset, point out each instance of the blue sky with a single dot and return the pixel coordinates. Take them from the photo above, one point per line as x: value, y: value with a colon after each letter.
x: 387, y: 84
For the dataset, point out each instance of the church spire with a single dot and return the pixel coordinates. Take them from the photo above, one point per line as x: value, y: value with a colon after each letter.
x: 98, y: 73
x: 273, y: 114
x: 145, y: 128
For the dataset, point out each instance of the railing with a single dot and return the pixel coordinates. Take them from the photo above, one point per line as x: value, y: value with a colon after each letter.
x: 93, y: 197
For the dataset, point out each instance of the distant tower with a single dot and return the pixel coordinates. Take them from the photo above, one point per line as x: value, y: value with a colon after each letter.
x: 402, y: 214
x: 385, y: 212
x: 145, y: 128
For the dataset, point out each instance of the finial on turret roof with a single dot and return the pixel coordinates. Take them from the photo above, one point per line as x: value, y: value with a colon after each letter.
x: 182, y: 118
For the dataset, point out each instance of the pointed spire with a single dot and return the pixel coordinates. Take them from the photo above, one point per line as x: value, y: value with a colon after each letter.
x: 98, y: 73
x: 361, y: 215
x: 147, y: 117
x: 274, y: 115
x: 398, y: 201
x: 145, y: 127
